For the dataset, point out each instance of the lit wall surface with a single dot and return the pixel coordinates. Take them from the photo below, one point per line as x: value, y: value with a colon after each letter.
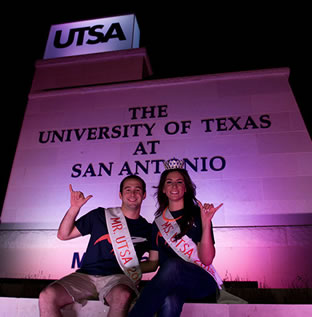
x: 242, y: 135
x: 244, y: 142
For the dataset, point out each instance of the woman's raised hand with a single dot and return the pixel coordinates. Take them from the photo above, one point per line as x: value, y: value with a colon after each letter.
x: 77, y: 198
x: 207, y: 211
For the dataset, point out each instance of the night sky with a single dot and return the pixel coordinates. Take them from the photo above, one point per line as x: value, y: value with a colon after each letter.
x: 180, y: 41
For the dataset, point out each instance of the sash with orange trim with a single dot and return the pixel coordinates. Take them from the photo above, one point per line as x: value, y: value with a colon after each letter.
x: 184, y: 247
x: 122, y: 243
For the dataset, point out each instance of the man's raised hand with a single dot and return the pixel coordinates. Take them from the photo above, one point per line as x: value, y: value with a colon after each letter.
x: 77, y: 198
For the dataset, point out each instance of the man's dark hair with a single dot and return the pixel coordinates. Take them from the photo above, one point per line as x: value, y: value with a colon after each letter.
x: 133, y: 177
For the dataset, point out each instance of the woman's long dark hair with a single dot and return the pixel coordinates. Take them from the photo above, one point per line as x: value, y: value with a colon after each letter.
x: 190, y: 202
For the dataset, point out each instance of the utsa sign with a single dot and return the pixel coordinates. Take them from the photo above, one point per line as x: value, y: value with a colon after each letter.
x: 92, y: 36
x: 114, y: 31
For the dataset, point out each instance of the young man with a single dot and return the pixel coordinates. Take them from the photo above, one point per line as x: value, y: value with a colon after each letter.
x: 107, y: 272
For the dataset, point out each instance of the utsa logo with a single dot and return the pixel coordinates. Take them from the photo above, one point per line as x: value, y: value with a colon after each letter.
x: 95, y: 35
x: 159, y: 235
x: 102, y: 238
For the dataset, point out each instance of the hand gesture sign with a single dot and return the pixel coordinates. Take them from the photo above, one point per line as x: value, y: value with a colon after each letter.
x: 207, y: 211
x: 77, y: 199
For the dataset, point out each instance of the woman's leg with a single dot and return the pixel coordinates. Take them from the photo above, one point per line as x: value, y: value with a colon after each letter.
x: 196, y: 282
x: 174, y: 275
x: 154, y: 293
x: 172, y: 306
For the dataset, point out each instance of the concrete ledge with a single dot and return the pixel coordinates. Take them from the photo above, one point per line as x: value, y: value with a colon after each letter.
x: 249, y: 291
x: 31, y: 288
x: 92, y: 69
x: 24, y: 307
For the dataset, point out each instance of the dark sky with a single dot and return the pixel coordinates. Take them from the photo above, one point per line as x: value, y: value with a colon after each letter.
x: 180, y: 41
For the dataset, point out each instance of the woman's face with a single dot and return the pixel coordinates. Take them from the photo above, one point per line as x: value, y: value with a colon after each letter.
x: 174, y: 187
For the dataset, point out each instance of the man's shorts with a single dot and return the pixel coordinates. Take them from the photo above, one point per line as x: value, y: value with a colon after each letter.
x: 82, y: 287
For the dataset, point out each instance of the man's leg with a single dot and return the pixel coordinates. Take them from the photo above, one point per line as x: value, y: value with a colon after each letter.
x: 52, y: 299
x: 119, y: 299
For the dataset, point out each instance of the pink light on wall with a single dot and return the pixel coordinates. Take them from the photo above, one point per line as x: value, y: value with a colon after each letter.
x: 242, y: 148
x: 243, y: 138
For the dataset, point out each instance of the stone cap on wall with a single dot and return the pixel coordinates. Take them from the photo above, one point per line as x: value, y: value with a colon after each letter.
x: 92, y: 69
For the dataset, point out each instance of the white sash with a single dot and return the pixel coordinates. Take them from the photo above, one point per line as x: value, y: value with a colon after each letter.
x: 122, y: 243
x: 184, y: 247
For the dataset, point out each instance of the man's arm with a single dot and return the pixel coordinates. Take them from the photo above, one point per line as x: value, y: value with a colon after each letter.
x: 151, y: 264
x: 67, y: 229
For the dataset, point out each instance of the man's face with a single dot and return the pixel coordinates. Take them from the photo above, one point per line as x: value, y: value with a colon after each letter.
x: 132, y: 194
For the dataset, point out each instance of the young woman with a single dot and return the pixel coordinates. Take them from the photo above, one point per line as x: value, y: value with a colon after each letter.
x: 183, y: 246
